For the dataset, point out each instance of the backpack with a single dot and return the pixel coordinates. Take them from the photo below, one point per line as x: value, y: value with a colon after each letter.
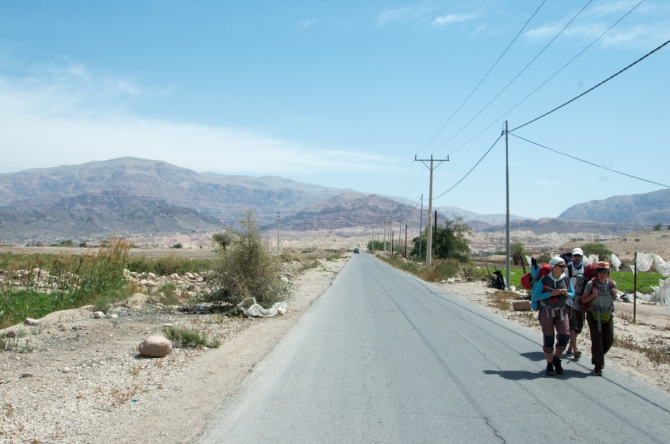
x: 601, y: 314
x: 590, y: 271
x: 528, y: 280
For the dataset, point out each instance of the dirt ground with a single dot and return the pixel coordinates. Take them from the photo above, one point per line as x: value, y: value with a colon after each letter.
x: 656, y: 242
x: 77, y: 379
x: 652, y: 328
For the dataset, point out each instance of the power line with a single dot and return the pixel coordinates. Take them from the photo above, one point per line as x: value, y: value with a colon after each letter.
x: 411, y: 212
x: 592, y: 88
x: 468, y: 173
x: 590, y: 163
x: 547, y: 81
x: 516, y: 77
x: 483, y: 78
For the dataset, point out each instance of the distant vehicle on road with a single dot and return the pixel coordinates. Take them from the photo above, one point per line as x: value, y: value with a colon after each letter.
x: 356, y: 250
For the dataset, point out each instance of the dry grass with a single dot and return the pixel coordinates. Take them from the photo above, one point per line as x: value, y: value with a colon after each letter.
x: 654, y: 349
x: 501, y: 299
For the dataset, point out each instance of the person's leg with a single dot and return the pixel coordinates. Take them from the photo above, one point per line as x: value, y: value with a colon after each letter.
x: 562, y: 337
x: 608, y: 337
x: 597, y: 350
x: 547, y: 324
x: 573, y: 333
x: 578, y: 316
x: 562, y: 331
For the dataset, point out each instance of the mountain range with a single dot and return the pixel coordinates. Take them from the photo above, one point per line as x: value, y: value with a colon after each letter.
x: 139, y: 197
x: 647, y: 208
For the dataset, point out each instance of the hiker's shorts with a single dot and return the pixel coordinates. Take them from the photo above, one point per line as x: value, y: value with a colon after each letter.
x: 551, y: 324
x: 577, y: 320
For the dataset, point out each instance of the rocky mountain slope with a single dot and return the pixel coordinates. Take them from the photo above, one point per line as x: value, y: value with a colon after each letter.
x: 350, y: 210
x: 217, y: 195
x: 645, y: 209
x: 476, y: 219
x: 97, y: 215
x: 550, y: 225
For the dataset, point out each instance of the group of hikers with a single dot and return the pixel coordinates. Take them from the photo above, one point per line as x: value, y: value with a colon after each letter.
x: 565, y: 298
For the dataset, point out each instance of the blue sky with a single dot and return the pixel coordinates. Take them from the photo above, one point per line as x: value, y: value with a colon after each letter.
x: 343, y: 94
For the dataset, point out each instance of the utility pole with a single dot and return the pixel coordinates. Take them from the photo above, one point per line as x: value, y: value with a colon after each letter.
x: 420, y: 227
x: 507, y: 212
x: 405, y: 241
x: 391, y: 231
x: 384, y: 238
x: 429, y: 234
x: 277, y: 232
x: 435, y: 232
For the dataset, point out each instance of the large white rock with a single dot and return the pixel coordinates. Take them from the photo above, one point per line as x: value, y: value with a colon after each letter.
x: 155, y: 346
x: 99, y: 315
x: 31, y: 321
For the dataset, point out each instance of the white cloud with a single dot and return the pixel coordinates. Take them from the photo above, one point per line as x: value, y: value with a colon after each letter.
x: 63, y: 120
x: 449, y: 19
x: 543, y: 32
x: 398, y: 14
x: 303, y: 26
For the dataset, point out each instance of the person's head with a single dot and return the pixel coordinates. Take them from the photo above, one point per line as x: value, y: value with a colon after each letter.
x: 603, y: 271
x: 577, y: 255
x: 557, y: 265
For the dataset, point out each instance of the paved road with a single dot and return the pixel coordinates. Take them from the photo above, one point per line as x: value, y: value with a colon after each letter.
x: 384, y: 357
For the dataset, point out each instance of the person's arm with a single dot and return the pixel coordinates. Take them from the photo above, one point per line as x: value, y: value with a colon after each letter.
x: 571, y: 291
x: 613, y: 288
x: 538, y: 293
x: 590, y: 292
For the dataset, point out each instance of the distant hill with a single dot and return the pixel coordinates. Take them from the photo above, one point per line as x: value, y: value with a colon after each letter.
x: 493, y: 219
x: 551, y: 225
x: 217, y: 195
x: 645, y: 209
x: 97, y: 215
x: 350, y: 210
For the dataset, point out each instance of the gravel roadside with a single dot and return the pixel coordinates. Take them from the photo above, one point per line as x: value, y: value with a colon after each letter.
x: 78, y: 379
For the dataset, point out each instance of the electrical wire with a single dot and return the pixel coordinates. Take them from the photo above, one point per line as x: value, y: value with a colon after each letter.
x: 551, y: 77
x: 411, y: 212
x: 475, y: 166
x: 590, y: 163
x: 592, y: 88
x: 514, y: 79
x: 483, y: 78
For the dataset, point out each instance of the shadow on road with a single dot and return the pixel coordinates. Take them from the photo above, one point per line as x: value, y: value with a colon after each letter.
x: 533, y: 356
x: 521, y: 375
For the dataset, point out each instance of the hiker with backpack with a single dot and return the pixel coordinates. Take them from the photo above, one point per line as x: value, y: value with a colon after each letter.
x: 575, y: 270
x: 550, y: 296
x: 598, y: 302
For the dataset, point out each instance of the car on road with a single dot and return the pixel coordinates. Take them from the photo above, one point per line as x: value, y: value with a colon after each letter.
x: 356, y: 250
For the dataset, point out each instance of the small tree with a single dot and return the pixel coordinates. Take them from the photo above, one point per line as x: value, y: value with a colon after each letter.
x: 451, y: 242
x: 517, y: 253
x: 658, y: 226
x: 224, y: 238
x: 596, y: 248
x: 247, y: 269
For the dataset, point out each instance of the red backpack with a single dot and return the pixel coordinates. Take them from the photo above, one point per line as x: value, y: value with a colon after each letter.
x: 590, y: 271
x: 527, y: 279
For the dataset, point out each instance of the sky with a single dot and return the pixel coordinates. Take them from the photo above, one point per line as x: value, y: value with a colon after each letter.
x: 346, y: 94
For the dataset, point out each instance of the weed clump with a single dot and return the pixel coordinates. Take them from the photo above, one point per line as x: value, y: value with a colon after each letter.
x: 183, y: 338
x: 246, y: 269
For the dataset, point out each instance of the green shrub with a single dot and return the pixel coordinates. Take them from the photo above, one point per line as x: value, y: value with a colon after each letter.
x: 596, y: 248
x: 182, y: 338
x: 74, y: 280
x: 247, y: 269
x: 177, y: 245
x: 544, y: 258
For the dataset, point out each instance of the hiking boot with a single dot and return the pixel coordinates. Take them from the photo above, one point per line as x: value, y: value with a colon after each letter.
x: 550, y: 369
x: 598, y: 371
x: 558, y: 366
x: 577, y: 354
x: 568, y: 352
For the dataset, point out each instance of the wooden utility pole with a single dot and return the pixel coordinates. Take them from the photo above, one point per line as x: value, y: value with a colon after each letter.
x: 405, y: 241
x: 435, y: 234
x: 429, y: 237
x: 277, y: 232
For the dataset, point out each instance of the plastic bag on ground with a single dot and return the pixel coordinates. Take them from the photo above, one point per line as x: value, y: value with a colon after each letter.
x: 615, y: 262
x: 661, y: 266
x: 257, y: 311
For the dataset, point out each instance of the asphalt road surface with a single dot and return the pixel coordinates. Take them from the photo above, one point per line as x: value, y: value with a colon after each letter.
x: 384, y: 357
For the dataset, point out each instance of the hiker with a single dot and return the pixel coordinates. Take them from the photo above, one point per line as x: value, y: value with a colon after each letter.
x: 575, y: 271
x: 551, y: 296
x: 598, y: 302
